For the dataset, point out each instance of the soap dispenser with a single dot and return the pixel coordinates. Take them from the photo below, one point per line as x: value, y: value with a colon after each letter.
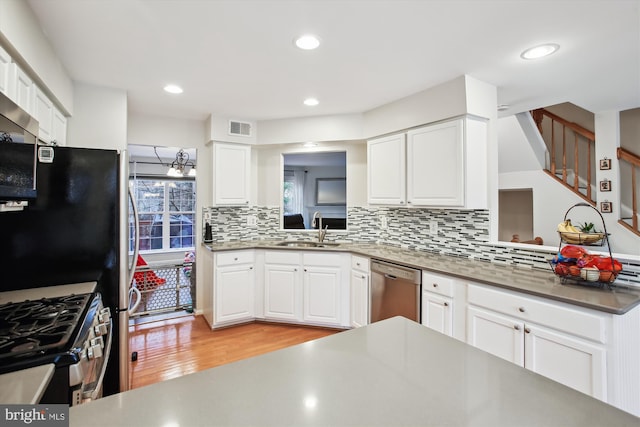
x: 208, y: 236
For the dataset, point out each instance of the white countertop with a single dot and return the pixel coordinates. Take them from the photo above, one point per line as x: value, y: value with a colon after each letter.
x: 393, y: 372
x: 25, y: 386
x: 47, y: 292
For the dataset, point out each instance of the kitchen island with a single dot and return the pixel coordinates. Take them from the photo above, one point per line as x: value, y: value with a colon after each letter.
x: 393, y: 372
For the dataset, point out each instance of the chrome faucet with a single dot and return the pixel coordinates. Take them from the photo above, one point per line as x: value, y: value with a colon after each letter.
x: 317, y: 216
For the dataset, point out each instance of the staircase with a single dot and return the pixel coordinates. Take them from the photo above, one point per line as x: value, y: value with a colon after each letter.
x: 571, y: 161
x: 629, y: 179
x: 571, y: 150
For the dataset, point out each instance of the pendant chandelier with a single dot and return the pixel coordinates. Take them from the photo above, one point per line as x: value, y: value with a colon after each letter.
x: 180, y: 164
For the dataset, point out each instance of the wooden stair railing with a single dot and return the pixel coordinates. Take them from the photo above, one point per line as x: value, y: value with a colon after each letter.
x: 587, y: 155
x: 634, y: 161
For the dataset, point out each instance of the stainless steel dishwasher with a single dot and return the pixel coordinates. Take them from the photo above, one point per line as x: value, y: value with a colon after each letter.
x: 395, y: 291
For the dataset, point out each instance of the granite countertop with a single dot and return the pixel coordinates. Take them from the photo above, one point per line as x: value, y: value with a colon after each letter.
x: 390, y: 373
x: 25, y: 386
x: 542, y: 283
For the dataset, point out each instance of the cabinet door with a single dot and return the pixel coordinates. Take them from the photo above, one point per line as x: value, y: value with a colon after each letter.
x: 435, y: 165
x: 322, y: 295
x: 499, y: 335
x: 437, y: 312
x: 234, y: 292
x: 359, y: 298
x: 386, y: 170
x: 282, y: 292
x: 59, y: 128
x: 5, y: 73
x: 43, y: 113
x: 232, y: 166
x: 566, y: 359
x: 24, y: 87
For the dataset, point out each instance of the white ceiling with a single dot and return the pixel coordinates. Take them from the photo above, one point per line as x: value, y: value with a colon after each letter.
x: 237, y: 59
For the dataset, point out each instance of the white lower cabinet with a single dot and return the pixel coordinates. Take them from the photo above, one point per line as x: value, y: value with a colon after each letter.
x: 438, y: 304
x: 321, y: 291
x: 564, y: 344
x: 306, y: 287
x: 233, y: 288
x: 574, y: 362
x: 360, y: 274
x: 282, y: 290
x: 437, y: 312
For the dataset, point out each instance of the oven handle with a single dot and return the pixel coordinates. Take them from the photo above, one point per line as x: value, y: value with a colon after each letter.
x: 94, y: 394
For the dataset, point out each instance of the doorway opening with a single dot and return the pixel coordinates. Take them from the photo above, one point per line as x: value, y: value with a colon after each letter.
x: 163, y: 183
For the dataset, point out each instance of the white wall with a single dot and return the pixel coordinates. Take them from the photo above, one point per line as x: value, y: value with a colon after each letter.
x: 437, y: 103
x: 514, y: 153
x: 100, y: 120
x: 304, y: 129
x: 21, y: 35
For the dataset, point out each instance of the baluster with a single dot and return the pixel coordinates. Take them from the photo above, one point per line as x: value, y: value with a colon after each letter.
x: 576, y: 164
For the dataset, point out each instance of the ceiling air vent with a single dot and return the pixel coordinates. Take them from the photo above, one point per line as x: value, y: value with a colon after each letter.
x: 239, y: 128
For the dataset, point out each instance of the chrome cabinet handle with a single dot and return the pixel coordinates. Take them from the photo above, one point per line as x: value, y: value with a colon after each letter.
x: 516, y: 327
x: 527, y: 330
x: 435, y: 285
x: 446, y: 304
x: 521, y: 309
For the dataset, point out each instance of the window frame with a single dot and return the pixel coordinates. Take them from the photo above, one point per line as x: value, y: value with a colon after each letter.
x: 166, y: 213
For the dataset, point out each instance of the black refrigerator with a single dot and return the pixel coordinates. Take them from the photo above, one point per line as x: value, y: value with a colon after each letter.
x: 75, y: 230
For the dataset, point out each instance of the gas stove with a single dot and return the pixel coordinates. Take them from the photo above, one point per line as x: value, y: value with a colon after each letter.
x: 57, y: 326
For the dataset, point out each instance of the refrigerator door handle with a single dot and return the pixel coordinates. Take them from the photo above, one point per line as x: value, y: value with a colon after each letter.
x: 136, y: 240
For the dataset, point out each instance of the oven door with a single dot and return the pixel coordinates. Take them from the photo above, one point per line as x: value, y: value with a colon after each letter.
x: 96, y: 356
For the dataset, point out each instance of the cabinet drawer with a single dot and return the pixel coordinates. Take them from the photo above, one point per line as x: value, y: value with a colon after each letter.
x: 282, y: 257
x: 438, y: 284
x: 321, y: 259
x: 231, y: 258
x: 359, y: 263
x: 553, y: 315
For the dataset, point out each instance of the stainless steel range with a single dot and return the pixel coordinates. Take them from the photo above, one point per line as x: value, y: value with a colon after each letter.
x: 71, y: 331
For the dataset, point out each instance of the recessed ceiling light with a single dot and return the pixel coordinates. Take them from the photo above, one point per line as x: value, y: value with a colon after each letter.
x: 173, y: 89
x: 540, y: 51
x: 307, y: 42
x: 503, y: 107
x: 311, y: 102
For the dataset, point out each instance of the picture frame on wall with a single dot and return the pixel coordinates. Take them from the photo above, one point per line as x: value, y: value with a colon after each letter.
x: 605, y: 164
x: 606, y: 207
x: 605, y: 185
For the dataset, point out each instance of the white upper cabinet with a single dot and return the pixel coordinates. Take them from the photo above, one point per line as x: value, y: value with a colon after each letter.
x: 386, y: 170
x: 43, y: 113
x: 5, y: 72
x: 23, y: 93
x: 439, y: 165
x: 59, y: 127
x: 232, y: 172
x: 435, y: 165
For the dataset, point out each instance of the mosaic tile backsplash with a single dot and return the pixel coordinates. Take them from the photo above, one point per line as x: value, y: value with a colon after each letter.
x: 462, y: 233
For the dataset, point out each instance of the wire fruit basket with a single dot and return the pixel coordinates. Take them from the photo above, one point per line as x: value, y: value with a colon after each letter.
x: 575, y: 264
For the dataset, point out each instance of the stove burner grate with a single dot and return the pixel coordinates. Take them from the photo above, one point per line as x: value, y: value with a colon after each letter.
x: 34, y: 327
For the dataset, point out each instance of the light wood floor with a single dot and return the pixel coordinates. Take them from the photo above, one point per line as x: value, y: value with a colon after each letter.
x: 172, y: 348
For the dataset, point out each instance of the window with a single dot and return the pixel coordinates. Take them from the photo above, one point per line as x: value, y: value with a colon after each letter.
x: 166, y: 210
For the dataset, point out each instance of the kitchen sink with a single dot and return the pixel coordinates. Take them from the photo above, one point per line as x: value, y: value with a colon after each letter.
x: 307, y: 244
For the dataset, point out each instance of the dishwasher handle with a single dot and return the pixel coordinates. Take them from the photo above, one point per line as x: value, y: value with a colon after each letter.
x: 395, y: 272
